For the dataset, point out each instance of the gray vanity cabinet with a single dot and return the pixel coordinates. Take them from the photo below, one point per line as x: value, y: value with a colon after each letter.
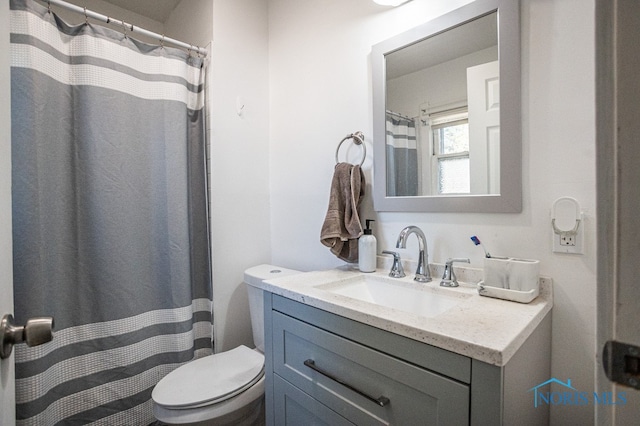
x: 322, y: 368
x: 355, y: 380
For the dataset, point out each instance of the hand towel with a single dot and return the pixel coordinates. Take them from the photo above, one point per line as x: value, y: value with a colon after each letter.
x: 342, y: 227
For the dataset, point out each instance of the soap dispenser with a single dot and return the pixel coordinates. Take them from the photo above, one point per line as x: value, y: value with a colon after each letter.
x: 367, y: 250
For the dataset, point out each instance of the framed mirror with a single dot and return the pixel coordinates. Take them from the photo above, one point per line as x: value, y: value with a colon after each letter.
x: 446, y: 113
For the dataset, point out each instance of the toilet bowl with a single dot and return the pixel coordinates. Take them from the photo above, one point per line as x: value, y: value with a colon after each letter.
x: 226, y: 388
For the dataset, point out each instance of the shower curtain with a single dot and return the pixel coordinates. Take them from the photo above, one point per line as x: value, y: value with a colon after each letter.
x: 402, y: 157
x: 110, y: 217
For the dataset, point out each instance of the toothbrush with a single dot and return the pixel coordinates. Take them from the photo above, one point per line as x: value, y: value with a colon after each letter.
x: 477, y: 242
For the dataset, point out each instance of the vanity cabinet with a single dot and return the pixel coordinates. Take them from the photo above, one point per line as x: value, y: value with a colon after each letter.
x: 322, y: 368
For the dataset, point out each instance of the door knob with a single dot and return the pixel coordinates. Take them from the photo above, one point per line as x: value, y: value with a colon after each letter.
x: 35, y: 332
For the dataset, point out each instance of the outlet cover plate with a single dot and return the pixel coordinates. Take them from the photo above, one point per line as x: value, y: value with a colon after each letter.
x: 569, y: 244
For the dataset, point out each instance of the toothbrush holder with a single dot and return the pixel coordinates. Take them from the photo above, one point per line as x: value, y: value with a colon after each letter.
x: 511, y: 279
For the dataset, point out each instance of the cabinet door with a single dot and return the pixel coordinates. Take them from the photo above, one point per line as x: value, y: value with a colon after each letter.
x: 294, y: 407
x: 353, y: 376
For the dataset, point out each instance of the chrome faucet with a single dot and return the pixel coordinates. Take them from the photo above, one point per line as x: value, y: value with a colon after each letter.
x: 422, y: 272
x: 449, y: 278
x: 396, y: 269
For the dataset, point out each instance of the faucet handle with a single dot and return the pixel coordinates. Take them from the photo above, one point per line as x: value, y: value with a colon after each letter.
x: 396, y: 269
x: 449, y: 278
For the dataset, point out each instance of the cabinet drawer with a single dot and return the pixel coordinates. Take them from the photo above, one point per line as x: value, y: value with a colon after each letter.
x: 294, y: 407
x: 353, y: 374
x: 440, y: 361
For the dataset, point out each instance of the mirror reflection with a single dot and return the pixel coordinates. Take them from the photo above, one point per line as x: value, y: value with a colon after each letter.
x: 443, y: 113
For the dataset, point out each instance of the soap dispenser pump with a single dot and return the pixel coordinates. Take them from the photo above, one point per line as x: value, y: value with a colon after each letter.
x: 367, y: 250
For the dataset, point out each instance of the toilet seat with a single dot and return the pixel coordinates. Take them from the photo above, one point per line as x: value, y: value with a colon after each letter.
x: 241, y: 403
x: 210, y: 380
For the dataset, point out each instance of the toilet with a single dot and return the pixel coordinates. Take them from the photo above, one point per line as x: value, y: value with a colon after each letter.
x: 225, y: 388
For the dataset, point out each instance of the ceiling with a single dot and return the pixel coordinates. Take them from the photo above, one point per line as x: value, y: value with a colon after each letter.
x: 158, y: 10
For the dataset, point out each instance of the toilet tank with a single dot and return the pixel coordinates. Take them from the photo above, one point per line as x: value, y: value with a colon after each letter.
x: 253, y: 277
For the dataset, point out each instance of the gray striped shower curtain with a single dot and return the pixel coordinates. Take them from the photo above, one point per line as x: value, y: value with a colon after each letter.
x: 109, y: 217
x: 402, y: 156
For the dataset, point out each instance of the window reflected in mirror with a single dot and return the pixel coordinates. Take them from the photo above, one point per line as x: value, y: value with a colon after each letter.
x: 450, y: 141
x: 443, y: 113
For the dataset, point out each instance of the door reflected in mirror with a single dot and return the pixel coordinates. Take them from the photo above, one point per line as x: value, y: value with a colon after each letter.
x: 442, y: 113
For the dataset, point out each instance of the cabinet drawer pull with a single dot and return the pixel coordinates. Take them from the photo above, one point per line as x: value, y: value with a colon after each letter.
x: 381, y: 401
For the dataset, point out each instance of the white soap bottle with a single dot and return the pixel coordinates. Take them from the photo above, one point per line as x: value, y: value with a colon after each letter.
x: 367, y: 250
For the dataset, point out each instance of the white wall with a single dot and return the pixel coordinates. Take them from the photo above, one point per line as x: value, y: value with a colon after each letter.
x: 559, y: 122
x: 239, y: 159
x: 192, y: 22
x: 238, y: 72
x: 320, y: 90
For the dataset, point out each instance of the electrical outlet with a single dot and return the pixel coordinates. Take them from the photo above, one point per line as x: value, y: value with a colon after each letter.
x: 567, y: 226
x: 567, y: 240
x: 569, y: 244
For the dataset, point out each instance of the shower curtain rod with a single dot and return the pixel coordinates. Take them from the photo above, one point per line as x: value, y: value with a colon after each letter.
x: 127, y: 27
x: 405, y: 117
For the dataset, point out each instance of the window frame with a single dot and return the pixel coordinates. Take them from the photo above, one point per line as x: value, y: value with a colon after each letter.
x: 436, y: 122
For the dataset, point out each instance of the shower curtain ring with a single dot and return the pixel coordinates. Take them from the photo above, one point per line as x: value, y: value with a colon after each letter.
x: 86, y: 18
x: 162, y: 42
x: 48, y: 7
x: 124, y: 29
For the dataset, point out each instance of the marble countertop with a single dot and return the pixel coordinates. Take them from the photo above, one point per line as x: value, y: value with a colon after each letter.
x: 487, y: 329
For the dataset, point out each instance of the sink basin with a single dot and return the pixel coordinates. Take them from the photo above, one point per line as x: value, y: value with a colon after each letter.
x: 401, y: 295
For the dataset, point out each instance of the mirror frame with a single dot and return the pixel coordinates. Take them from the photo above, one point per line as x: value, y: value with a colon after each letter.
x: 510, y: 198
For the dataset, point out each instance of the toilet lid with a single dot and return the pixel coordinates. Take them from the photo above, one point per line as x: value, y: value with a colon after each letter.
x: 210, y: 379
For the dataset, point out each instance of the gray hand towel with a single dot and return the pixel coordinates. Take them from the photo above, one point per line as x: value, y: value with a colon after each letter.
x: 342, y: 226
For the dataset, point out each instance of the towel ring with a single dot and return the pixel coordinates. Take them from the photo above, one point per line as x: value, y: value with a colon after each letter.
x: 358, y: 139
